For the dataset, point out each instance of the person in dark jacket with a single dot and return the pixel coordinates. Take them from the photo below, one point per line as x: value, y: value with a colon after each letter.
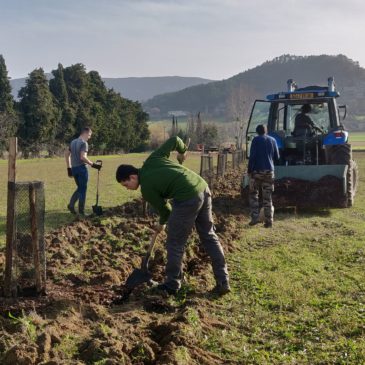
x: 304, y: 125
x: 264, y: 151
x: 161, y: 180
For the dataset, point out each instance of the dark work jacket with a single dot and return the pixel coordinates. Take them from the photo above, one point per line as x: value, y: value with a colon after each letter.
x: 264, y: 151
x: 303, y: 126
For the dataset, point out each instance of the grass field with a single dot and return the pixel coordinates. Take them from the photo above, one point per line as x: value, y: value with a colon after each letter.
x: 356, y: 137
x: 59, y: 187
x: 298, y: 289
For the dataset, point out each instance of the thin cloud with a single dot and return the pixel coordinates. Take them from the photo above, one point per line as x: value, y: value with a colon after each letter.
x: 207, y: 38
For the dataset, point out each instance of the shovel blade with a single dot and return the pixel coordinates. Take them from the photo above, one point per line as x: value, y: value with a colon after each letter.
x: 97, y: 209
x: 137, y: 277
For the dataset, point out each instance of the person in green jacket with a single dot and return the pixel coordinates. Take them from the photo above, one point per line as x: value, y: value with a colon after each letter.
x: 161, y: 181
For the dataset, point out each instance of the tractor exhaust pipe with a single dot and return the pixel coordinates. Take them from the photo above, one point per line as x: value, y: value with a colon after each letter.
x: 331, y: 84
x: 292, y: 86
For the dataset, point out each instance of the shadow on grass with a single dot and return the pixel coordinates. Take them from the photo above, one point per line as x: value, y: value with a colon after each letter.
x: 56, y: 218
x: 285, y: 213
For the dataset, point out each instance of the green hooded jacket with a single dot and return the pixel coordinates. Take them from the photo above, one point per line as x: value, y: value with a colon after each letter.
x: 162, y: 179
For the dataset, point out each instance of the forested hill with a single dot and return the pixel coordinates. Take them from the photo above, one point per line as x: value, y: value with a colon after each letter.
x: 217, y: 99
x: 135, y: 88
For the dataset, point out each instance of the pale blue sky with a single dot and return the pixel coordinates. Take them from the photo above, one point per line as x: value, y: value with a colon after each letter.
x: 206, y: 38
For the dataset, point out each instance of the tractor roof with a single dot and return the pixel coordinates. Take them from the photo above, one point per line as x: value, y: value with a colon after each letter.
x: 306, y: 93
x: 309, y: 92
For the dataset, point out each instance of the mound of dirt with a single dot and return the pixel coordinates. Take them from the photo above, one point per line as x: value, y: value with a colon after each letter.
x: 87, y: 261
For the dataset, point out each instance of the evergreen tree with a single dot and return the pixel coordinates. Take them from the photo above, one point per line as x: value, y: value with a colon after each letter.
x: 39, y: 114
x: 8, y: 117
x: 53, y: 114
x: 6, y: 99
x: 65, y: 129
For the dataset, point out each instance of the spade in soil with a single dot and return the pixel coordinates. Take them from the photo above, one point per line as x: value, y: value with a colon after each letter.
x: 97, y: 209
x: 138, y: 276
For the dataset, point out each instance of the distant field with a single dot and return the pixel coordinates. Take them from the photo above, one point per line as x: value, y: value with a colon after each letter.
x: 357, y: 137
x: 59, y: 187
x: 357, y: 140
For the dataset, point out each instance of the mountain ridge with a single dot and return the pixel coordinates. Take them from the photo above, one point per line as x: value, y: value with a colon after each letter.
x: 216, y: 98
x: 135, y: 88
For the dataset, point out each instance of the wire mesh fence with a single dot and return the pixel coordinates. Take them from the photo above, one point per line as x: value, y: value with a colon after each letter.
x: 27, y: 274
x: 207, y: 169
x: 221, y: 164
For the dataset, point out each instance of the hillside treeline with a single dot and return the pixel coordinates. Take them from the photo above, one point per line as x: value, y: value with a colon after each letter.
x: 233, y: 98
x: 49, y: 114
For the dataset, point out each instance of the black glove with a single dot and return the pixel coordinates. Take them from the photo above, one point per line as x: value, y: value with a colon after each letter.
x: 96, y: 166
x: 69, y: 171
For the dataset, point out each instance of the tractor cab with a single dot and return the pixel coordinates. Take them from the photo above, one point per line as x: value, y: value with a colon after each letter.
x: 302, y: 120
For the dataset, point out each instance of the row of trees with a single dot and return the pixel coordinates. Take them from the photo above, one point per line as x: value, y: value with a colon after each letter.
x: 49, y: 114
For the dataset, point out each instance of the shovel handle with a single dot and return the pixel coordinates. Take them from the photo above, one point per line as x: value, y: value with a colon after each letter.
x: 149, y: 251
x: 187, y: 143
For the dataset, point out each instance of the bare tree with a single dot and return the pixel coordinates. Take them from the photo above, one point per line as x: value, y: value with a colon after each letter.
x: 238, y: 107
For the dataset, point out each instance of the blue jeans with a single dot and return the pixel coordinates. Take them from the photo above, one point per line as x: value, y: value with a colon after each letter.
x: 81, y: 177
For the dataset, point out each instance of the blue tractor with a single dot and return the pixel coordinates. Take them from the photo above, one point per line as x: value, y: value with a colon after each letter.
x: 307, y: 126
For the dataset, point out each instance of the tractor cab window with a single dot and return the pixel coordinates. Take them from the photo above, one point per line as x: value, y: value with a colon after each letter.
x: 318, y: 114
x: 259, y: 115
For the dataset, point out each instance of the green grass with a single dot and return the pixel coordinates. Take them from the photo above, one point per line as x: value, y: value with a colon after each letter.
x: 357, y: 136
x: 59, y: 187
x: 299, y: 290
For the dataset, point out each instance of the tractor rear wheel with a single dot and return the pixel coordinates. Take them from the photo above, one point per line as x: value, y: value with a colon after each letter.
x: 339, y: 154
x: 352, y: 180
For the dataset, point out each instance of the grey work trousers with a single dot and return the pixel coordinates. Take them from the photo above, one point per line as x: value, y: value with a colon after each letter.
x: 185, y: 214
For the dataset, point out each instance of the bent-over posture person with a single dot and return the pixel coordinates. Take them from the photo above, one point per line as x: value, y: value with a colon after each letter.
x: 77, y: 161
x: 161, y: 179
x: 264, y: 150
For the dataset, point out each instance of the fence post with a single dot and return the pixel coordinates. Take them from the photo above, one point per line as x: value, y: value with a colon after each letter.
x: 221, y: 166
x: 207, y: 168
x: 201, y: 173
x: 10, y: 218
x: 234, y: 160
x: 35, y: 238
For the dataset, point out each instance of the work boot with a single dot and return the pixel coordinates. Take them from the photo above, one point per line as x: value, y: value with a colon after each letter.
x: 221, y: 289
x: 268, y: 224
x: 253, y: 222
x: 71, y: 209
x: 164, y: 290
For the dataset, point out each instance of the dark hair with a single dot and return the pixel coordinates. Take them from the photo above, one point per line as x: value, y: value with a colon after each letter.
x: 85, y: 130
x: 124, y: 172
x: 261, y: 129
x: 306, y: 108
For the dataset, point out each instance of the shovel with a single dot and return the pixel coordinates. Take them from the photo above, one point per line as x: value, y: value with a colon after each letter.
x: 97, y: 209
x: 140, y: 275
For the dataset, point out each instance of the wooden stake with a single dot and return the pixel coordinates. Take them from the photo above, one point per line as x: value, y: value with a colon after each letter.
x: 9, y: 285
x: 35, y: 238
